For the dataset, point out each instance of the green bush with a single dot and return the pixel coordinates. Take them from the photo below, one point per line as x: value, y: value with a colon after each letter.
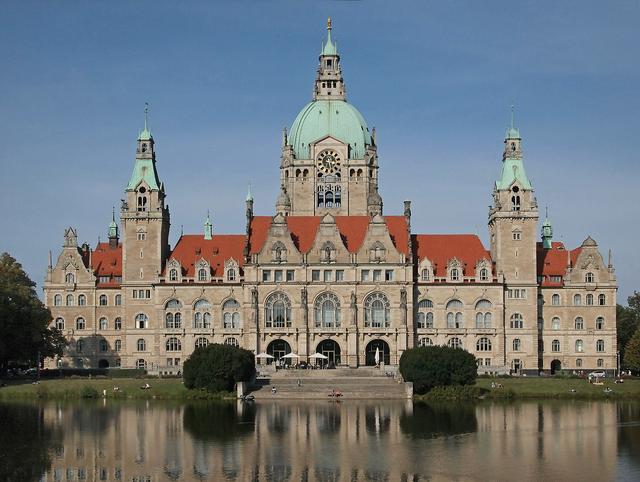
x: 89, y: 392
x: 217, y: 368
x: 437, y: 366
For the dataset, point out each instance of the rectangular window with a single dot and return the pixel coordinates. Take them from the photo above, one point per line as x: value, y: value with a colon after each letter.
x: 104, y: 279
x: 388, y: 275
x: 135, y: 294
x: 328, y: 276
x: 340, y: 275
x: 377, y: 275
x: 148, y: 294
x: 290, y: 275
x: 277, y: 275
x: 364, y: 275
x: 176, y: 361
x: 266, y: 275
x: 169, y: 362
x: 517, y: 293
x: 315, y: 275
x: 556, y: 279
x: 487, y: 362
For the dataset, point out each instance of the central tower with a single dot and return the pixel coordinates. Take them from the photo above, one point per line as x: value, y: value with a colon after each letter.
x: 329, y: 158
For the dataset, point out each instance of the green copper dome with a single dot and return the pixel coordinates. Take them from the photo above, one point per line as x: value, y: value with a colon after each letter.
x: 335, y: 118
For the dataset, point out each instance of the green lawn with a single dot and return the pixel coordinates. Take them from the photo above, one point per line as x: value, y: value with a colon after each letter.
x: 165, y: 389
x: 534, y: 387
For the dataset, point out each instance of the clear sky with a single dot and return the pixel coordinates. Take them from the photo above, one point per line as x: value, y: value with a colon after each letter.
x: 435, y: 78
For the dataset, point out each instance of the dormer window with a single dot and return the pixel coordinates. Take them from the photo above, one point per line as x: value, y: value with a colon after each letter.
x: 589, y: 278
x: 202, y: 274
x: 173, y: 275
x: 455, y: 274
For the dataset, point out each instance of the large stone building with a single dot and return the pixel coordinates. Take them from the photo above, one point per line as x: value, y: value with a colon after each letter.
x: 328, y: 272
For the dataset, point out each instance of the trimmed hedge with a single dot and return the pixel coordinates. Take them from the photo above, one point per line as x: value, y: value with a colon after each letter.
x: 437, y: 366
x: 217, y: 368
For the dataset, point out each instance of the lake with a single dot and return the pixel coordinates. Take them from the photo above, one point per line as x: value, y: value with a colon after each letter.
x: 319, y: 441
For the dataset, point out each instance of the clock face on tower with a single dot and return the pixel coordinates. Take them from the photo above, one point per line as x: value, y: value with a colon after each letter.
x: 328, y: 161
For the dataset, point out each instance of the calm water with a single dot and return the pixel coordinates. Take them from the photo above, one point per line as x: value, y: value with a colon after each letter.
x: 323, y: 441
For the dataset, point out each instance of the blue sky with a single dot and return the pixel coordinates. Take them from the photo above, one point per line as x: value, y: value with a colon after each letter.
x: 435, y: 78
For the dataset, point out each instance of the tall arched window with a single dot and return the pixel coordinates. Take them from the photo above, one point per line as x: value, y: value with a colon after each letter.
x: 555, y: 346
x: 579, y: 323
x: 172, y: 314
x: 118, y: 300
x: 231, y: 274
x: 104, y: 324
x: 483, y: 316
x: 579, y: 346
x: 231, y: 314
x: 117, y: 345
x: 483, y: 344
x: 455, y: 274
x: 589, y: 278
x: 602, y: 300
x: 173, y: 344
x: 425, y: 275
x: 202, y: 274
x: 454, y: 342
x: 82, y: 300
x: 103, y: 300
x: 277, y: 309
x: 600, y: 345
x: 80, y: 324
x: 142, y: 321
x: 555, y: 300
x: 555, y: 323
x: 327, y: 310
x: 57, y: 300
x: 516, y: 321
x: 201, y: 342
x: 425, y: 314
x: 69, y: 300
x: 377, y: 311
x: 577, y: 300
x: 59, y: 323
x: 117, y: 324
x: 202, y: 314
x: 589, y: 299
x: 484, y: 274
x: 599, y: 323
x: 173, y: 274
x: 104, y: 346
x: 517, y: 344
x: 454, y: 314
x: 141, y: 345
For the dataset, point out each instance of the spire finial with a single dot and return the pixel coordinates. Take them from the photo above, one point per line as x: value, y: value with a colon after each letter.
x: 329, y: 23
x: 113, y: 214
x: 146, y: 116
x: 513, y: 113
x: 546, y: 211
x: 249, y: 195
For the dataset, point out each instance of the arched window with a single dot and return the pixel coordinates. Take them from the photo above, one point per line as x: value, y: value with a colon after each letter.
x: 117, y: 324
x: 377, y: 310
x: 59, y: 323
x: 602, y: 300
x: 425, y: 342
x: 579, y: 346
x: 577, y: 300
x: 69, y: 300
x: 172, y: 315
x: 117, y: 345
x: 201, y: 342
x: 69, y: 278
x: 555, y: 345
x: 231, y: 314
x: 484, y: 274
x: 57, y: 300
x: 80, y: 324
x: 142, y: 321
x: 517, y: 344
x: 589, y: 299
x: 589, y: 278
x: 454, y: 317
x: 555, y: 300
x: 104, y: 324
x: 231, y: 341
x: 483, y: 320
x: 327, y: 310
x: 425, y: 275
x: 578, y: 362
x: 103, y: 300
x: 141, y: 345
x: 579, y: 323
x: 599, y: 323
x: 455, y: 274
x: 517, y: 321
x: 202, y: 274
x: 277, y: 309
x: 555, y: 323
x: 600, y: 363
x: 173, y: 274
x: 599, y: 345
x: 173, y: 344
x: 118, y: 300
x: 141, y: 364
x: 79, y: 346
x: 202, y: 314
x: 515, y: 202
x: 425, y: 314
x: 454, y: 342
x: 483, y: 344
x: 231, y: 274
x: 104, y: 346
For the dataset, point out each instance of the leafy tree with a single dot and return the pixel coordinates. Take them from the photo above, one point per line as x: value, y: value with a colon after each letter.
x: 632, y: 353
x: 628, y: 321
x: 435, y: 366
x: 218, y: 368
x: 24, y: 319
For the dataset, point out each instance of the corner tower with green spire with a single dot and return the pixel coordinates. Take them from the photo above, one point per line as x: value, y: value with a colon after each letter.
x: 329, y: 158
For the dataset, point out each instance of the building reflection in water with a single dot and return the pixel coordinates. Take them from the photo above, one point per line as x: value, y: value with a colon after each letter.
x: 328, y: 441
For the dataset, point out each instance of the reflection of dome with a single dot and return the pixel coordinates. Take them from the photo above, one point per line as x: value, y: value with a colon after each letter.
x: 336, y: 118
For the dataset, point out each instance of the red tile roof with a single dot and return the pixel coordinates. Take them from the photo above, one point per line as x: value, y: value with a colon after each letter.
x: 107, y: 261
x: 192, y: 247
x: 554, y: 261
x: 353, y: 230
x: 441, y: 248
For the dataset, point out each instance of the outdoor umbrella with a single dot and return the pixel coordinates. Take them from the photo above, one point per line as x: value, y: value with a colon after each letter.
x: 291, y: 355
x: 319, y: 355
x: 264, y: 355
x: 377, y: 357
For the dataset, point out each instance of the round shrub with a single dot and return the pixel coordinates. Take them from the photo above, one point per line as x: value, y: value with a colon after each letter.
x: 437, y: 366
x: 217, y: 368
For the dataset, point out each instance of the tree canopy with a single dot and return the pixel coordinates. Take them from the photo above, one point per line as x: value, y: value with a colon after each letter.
x: 24, y: 320
x: 632, y: 353
x: 217, y: 368
x: 628, y: 322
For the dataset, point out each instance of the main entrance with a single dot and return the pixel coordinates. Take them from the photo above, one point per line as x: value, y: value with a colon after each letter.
x: 384, y: 354
x: 331, y: 350
x: 556, y: 366
x: 278, y: 349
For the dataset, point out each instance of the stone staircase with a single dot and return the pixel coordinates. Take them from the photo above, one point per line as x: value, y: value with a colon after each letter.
x: 361, y: 384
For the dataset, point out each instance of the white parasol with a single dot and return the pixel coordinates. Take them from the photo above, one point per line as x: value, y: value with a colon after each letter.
x: 377, y: 356
x: 319, y: 355
x: 264, y: 355
x: 291, y: 355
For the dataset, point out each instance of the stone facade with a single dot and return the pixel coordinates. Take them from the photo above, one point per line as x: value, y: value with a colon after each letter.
x: 329, y: 273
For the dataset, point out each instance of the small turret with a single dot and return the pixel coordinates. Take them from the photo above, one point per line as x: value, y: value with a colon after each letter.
x: 329, y: 82
x: 113, y: 231
x: 208, y: 228
x: 547, y: 232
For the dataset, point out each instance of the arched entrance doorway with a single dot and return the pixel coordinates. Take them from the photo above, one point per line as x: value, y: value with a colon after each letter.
x: 331, y: 350
x: 556, y: 366
x: 383, y: 352
x: 103, y: 363
x: 277, y: 349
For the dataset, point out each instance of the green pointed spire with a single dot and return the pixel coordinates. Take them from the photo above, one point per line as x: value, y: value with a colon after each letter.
x: 513, y: 132
x: 145, y: 134
x: 113, y: 226
x: 512, y: 163
x: 547, y: 231
x: 208, y: 228
x: 329, y: 48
